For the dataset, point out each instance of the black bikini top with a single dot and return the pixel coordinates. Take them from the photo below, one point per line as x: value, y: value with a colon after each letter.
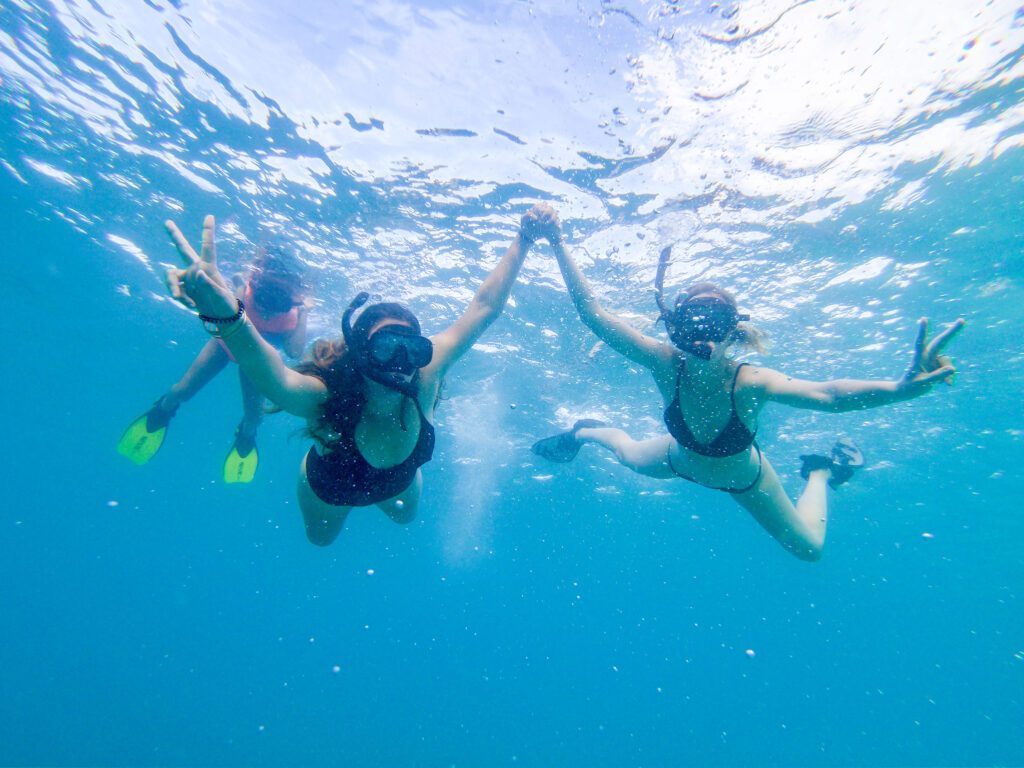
x: 734, y: 437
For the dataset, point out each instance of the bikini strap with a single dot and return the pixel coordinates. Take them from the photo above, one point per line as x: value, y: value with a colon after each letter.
x: 419, y: 408
x: 735, y: 377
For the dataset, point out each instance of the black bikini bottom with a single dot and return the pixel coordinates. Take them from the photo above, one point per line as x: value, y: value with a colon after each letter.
x: 760, y: 467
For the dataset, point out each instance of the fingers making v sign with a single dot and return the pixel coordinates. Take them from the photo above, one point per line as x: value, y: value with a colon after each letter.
x: 199, y: 285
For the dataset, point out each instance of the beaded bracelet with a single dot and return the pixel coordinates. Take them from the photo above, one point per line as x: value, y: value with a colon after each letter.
x: 213, y: 325
x: 232, y: 329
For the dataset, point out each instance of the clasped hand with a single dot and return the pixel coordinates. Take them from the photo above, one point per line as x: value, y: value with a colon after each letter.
x: 541, y: 222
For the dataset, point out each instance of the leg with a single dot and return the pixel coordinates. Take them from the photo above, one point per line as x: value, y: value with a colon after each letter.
x: 402, y: 508
x: 800, y: 528
x: 208, y: 363
x: 646, y: 457
x: 323, y: 521
x: 252, y: 406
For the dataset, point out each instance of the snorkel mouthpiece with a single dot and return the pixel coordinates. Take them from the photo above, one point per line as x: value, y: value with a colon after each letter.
x: 698, y: 348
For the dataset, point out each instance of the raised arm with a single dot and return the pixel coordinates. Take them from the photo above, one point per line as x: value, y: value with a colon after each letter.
x: 488, y: 303
x: 928, y: 367
x: 201, y: 286
x: 611, y: 329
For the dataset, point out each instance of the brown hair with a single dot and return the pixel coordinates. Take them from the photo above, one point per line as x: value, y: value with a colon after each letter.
x: 331, y: 363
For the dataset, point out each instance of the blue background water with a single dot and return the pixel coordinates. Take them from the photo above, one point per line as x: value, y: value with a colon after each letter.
x: 845, y: 168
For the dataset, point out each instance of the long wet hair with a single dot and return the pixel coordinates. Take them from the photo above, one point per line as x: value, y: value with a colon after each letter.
x: 745, y: 334
x: 337, y: 367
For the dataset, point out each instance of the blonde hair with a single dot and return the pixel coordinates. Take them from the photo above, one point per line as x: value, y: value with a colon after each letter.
x: 748, y: 335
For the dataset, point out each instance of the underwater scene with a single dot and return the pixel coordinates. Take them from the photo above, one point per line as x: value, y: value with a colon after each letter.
x: 512, y: 383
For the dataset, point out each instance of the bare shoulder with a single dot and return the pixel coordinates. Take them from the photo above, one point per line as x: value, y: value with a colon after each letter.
x: 757, y: 377
x: 666, y: 360
x: 665, y: 369
x: 431, y: 384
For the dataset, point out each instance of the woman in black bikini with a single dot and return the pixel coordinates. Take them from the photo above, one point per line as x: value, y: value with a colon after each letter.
x: 713, y: 404
x: 369, y: 399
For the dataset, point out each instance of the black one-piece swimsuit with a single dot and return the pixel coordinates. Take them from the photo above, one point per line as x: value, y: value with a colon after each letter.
x: 345, y: 479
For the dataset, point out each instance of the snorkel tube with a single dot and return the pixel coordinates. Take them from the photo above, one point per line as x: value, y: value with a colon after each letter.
x: 357, y: 348
x: 659, y: 284
x: 667, y: 316
x: 346, y: 320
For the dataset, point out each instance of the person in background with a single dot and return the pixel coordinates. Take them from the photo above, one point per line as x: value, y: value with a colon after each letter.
x: 712, y: 403
x: 275, y: 299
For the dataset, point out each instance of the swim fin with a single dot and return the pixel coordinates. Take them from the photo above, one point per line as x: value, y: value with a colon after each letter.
x: 563, y: 447
x: 846, y: 457
x: 241, y: 463
x: 145, y: 435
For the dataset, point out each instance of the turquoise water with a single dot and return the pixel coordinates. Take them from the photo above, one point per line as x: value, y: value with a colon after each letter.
x: 844, y: 167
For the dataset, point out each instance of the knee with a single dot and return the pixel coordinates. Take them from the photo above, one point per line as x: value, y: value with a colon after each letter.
x: 809, y: 552
x: 627, y: 457
x: 403, y: 515
x: 322, y: 534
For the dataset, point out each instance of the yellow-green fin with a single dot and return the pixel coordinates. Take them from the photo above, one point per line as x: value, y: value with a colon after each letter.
x: 241, y: 469
x: 138, y: 443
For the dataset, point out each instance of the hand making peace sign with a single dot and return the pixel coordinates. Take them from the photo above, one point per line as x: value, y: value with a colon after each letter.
x: 928, y: 365
x: 199, y: 285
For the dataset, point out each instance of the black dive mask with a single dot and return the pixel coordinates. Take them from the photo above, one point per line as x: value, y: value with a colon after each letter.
x: 398, y: 349
x: 272, y: 299
x: 390, y: 355
x: 696, y: 322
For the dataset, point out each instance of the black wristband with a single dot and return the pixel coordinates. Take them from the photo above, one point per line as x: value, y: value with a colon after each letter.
x: 225, y: 320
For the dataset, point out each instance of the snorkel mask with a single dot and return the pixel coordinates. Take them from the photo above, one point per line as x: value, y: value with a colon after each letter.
x: 276, y: 281
x: 272, y: 296
x: 695, y: 323
x: 392, y: 354
x: 704, y: 319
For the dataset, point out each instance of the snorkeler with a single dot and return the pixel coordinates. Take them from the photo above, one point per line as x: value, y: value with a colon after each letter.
x: 368, y: 399
x: 712, y: 404
x: 274, y: 296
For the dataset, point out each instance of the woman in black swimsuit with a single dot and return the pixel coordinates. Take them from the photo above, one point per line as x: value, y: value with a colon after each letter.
x: 368, y: 400
x: 713, y: 404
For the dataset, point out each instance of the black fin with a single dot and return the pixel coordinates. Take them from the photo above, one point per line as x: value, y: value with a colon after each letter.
x: 563, y: 447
